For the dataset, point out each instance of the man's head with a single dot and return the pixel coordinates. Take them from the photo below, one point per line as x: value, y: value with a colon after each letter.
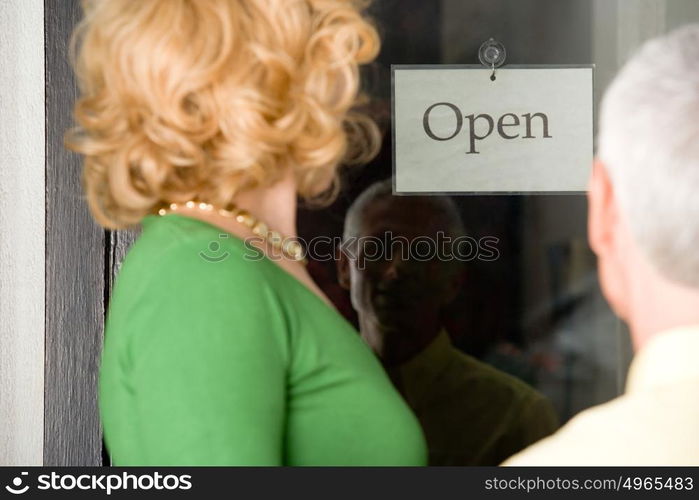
x: 644, y: 191
x: 399, y: 278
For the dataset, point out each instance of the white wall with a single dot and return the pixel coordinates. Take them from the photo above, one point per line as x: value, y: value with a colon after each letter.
x: 21, y: 232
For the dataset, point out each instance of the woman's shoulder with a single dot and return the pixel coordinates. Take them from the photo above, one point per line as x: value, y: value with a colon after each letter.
x: 184, y: 249
x: 175, y: 288
x: 188, y: 267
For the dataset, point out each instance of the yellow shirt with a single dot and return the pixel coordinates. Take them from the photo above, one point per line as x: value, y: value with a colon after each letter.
x: 656, y: 422
x: 470, y: 412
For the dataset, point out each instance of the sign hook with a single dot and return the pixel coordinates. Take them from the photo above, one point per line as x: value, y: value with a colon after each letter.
x: 492, y: 54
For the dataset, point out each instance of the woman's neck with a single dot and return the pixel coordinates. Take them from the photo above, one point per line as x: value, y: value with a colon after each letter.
x: 274, y: 205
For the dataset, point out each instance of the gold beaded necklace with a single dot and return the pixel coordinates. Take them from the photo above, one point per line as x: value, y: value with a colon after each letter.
x: 291, y: 248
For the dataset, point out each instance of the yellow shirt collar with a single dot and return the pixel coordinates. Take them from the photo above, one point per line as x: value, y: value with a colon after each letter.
x: 669, y: 357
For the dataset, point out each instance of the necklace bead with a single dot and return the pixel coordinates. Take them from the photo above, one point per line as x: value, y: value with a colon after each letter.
x: 289, y: 247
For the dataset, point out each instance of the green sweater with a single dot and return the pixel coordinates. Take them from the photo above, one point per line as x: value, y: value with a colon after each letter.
x: 211, y: 358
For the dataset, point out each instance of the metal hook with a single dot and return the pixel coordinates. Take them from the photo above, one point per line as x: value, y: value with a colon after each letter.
x: 492, y: 54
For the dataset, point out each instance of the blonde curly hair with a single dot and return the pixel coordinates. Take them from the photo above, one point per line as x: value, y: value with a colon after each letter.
x: 203, y: 99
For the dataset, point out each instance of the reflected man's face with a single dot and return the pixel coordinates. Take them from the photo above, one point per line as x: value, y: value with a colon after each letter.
x: 391, y: 282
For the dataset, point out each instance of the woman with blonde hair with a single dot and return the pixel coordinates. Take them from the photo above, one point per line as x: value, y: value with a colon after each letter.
x: 204, y: 120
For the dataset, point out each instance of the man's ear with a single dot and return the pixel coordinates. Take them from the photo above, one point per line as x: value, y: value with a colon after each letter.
x: 602, y: 210
x: 343, y: 269
x: 606, y: 235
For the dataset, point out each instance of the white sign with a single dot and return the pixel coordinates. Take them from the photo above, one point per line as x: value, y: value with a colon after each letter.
x: 457, y: 131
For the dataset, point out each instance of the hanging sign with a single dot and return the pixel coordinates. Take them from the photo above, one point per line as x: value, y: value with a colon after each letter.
x: 470, y: 129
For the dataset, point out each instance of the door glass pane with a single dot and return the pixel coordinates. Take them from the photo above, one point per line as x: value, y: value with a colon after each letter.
x: 536, y: 311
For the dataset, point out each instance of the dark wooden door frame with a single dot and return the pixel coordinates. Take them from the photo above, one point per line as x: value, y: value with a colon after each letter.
x: 81, y: 261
